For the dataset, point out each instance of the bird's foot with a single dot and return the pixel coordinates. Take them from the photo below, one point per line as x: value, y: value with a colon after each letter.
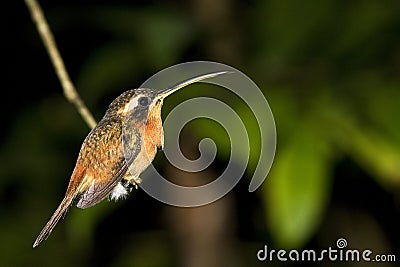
x: 130, y: 183
x: 136, y: 181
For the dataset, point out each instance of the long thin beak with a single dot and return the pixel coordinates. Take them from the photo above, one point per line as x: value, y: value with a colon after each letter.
x: 163, y: 93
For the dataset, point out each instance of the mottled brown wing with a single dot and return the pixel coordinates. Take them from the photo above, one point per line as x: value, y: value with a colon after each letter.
x: 112, y: 168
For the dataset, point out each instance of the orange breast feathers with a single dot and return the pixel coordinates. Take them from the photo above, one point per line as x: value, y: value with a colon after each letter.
x: 154, y: 136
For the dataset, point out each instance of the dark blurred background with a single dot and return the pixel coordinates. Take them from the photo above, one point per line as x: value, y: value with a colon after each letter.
x: 329, y: 69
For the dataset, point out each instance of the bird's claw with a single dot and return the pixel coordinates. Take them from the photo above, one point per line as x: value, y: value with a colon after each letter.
x: 136, y: 181
x: 133, y: 182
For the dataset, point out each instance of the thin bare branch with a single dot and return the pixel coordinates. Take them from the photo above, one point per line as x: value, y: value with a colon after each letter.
x: 48, y: 40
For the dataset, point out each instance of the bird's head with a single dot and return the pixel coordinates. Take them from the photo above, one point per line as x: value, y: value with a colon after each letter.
x: 139, y: 103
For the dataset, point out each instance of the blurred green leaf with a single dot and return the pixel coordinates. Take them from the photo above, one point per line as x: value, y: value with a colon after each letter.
x: 298, y: 187
x: 375, y: 151
x: 370, y: 135
x: 377, y: 154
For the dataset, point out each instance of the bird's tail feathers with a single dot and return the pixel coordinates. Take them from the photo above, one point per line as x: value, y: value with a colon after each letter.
x: 55, y: 218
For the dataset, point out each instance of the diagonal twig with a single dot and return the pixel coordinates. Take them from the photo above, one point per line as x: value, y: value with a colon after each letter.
x: 48, y: 40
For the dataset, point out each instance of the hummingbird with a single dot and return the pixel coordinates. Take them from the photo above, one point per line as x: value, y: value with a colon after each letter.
x: 117, y: 150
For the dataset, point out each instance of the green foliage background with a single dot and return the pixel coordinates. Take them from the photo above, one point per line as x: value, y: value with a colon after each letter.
x: 329, y: 69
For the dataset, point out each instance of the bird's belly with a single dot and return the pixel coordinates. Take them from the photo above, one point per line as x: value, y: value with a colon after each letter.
x: 142, y: 161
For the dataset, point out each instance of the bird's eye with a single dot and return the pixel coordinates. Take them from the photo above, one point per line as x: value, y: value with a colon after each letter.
x: 143, y: 101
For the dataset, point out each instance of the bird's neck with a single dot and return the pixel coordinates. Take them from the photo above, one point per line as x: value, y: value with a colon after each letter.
x: 153, y: 129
